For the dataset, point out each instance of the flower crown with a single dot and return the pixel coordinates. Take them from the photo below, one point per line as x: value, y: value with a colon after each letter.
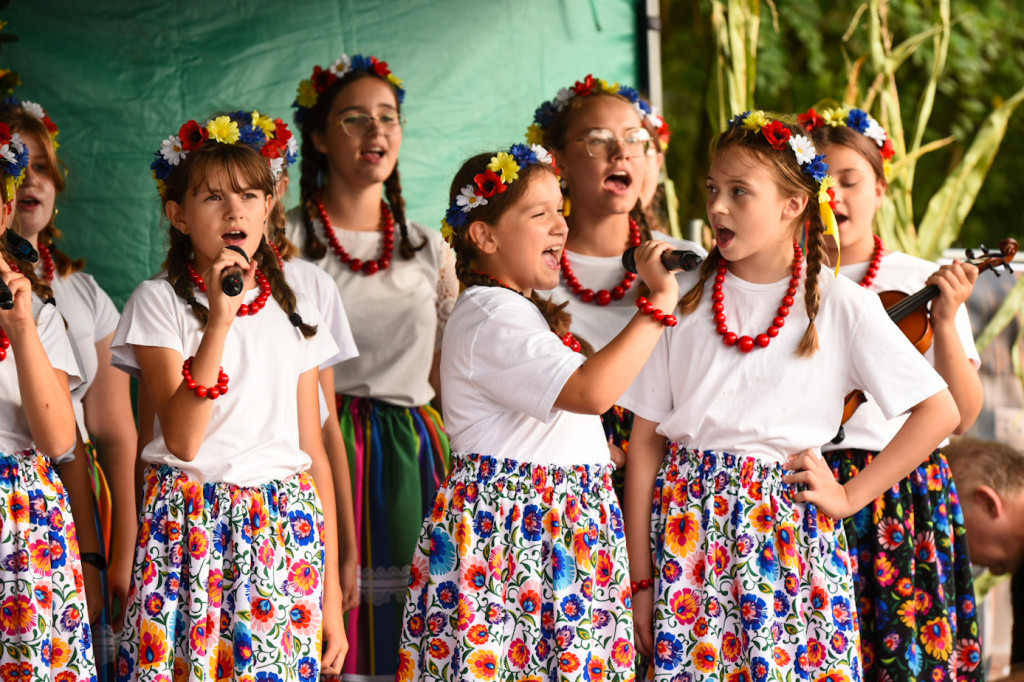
x: 37, y: 112
x: 322, y: 79
x: 780, y: 137
x: 545, y: 113
x: 13, y: 159
x: 857, y: 119
x: 270, y: 137
x: 501, y: 172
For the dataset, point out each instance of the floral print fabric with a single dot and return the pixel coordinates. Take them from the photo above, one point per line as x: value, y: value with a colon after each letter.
x: 520, y: 574
x: 227, y: 582
x: 915, y: 589
x: 750, y: 585
x: 44, y: 629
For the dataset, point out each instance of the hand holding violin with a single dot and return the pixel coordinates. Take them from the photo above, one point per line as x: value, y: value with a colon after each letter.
x: 955, y: 282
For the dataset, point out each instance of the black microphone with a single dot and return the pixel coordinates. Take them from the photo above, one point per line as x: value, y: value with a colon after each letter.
x: 6, y: 297
x: 672, y: 260
x: 20, y: 248
x: 231, y: 282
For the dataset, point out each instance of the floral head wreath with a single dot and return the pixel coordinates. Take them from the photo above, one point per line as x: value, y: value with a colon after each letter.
x: 858, y: 120
x: 545, y: 113
x: 270, y: 137
x: 13, y: 159
x: 501, y: 172
x: 322, y: 79
x: 781, y: 138
x: 37, y: 112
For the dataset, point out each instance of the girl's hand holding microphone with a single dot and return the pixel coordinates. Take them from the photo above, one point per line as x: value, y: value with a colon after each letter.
x: 15, y: 301
x: 231, y: 266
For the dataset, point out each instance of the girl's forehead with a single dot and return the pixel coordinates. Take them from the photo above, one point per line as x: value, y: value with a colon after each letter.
x: 600, y: 111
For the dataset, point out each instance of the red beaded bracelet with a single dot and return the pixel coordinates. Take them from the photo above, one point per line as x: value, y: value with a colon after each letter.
x: 641, y: 584
x: 213, y: 392
x: 658, y: 314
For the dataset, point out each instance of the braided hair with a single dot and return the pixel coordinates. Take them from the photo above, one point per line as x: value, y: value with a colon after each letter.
x: 791, y: 181
x: 559, y: 320
x: 240, y: 162
x: 314, y: 169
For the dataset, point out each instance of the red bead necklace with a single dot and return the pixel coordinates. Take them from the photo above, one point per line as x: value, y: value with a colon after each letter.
x: 746, y: 343
x: 370, y: 267
x: 244, y: 309
x: 47, y: 258
x: 277, y: 254
x: 604, y: 296
x: 876, y: 262
x: 5, y: 343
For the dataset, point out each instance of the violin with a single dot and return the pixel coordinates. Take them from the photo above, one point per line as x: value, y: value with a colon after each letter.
x: 910, y: 313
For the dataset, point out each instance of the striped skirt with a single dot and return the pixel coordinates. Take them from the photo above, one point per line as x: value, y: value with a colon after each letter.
x: 749, y: 584
x: 520, y: 574
x: 912, y: 575
x: 398, y: 458
x: 227, y: 582
x: 44, y: 628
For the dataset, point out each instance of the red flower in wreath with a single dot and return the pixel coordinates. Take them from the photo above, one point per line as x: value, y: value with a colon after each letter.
x: 585, y: 87
x: 776, y: 134
x: 192, y: 136
x: 810, y: 120
x: 831, y: 198
x: 489, y: 183
x: 380, y: 68
x: 322, y: 79
x: 887, y: 149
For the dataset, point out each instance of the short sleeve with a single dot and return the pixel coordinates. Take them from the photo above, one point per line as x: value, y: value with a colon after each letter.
x: 54, y: 337
x: 335, y: 321
x: 319, y: 347
x: 650, y: 394
x: 152, y: 317
x: 106, y: 314
x: 519, y: 364
x: 897, y: 379
x: 447, y: 292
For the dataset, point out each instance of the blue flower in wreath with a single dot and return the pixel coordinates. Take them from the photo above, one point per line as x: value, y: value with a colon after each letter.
x: 448, y: 594
x: 573, y: 607
x: 668, y: 651
x: 817, y: 168
x: 858, y: 120
x: 563, y: 567
x: 531, y: 524
x: 442, y: 552
x: 252, y: 136
x: 753, y: 611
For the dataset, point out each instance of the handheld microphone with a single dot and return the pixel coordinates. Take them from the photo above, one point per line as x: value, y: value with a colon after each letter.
x: 20, y: 248
x: 6, y: 297
x: 672, y: 260
x: 231, y: 282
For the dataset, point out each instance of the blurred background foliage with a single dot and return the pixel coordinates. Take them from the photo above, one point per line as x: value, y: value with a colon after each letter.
x: 805, y: 50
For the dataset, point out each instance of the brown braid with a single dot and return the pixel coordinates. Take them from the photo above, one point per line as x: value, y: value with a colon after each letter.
x: 692, y: 298
x: 638, y: 214
x: 63, y: 264
x: 283, y: 244
x: 39, y: 287
x: 812, y: 294
x: 393, y: 194
x: 282, y: 293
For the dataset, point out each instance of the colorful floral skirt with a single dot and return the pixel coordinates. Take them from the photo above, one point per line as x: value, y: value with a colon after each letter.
x: 227, y: 582
x: 398, y: 458
x: 520, y: 574
x: 44, y: 629
x: 915, y: 590
x: 749, y: 584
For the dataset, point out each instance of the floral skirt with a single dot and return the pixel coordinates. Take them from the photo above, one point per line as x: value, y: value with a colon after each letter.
x: 44, y: 628
x: 398, y: 457
x: 915, y: 589
x: 227, y: 582
x: 520, y: 574
x: 749, y: 584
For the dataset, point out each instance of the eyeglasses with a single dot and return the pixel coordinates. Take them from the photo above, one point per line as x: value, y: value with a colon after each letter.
x: 600, y: 142
x: 357, y: 125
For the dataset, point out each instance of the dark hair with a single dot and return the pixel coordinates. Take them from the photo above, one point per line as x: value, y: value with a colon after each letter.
x: 979, y: 462
x: 245, y: 167
x: 791, y: 181
x: 314, y: 168
x: 558, y: 319
x: 826, y: 135
x: 24, y: 123
x: 39, y: 287
x: 555, y: 138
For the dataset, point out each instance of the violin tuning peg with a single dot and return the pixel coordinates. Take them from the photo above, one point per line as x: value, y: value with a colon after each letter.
x: 969, y: 253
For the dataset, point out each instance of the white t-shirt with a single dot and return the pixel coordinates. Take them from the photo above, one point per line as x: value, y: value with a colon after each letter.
x: 770, y: 403
x: 14, y: 432
x: 253, y: 434
x: 91, y: 316
x: 501, y: 371
x: 316, y: 285
x: 396, y: 315
x: 600, y: 324
x: 868, y: 429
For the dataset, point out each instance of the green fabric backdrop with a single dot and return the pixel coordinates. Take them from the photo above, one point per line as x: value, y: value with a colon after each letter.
x: 118, y: 76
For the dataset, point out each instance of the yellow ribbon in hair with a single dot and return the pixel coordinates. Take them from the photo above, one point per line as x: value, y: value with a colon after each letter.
x: 828, y: 217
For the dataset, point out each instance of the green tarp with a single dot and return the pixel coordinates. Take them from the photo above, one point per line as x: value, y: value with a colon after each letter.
x: 118, y: 76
